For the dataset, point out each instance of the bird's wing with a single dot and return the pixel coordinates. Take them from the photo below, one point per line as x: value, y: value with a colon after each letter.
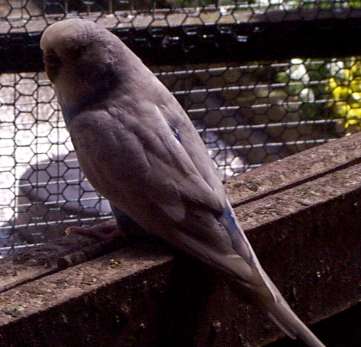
x: 192, y: 143
x: 146, y: 152
x: 161, y: 161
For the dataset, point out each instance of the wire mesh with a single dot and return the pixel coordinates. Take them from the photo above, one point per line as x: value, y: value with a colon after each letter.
x: 247, y: 113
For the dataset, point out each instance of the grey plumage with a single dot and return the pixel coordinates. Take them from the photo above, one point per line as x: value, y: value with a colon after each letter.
x: 139, y: 149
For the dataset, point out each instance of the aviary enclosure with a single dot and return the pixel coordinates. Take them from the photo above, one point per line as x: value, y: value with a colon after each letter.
x: 261, y: 79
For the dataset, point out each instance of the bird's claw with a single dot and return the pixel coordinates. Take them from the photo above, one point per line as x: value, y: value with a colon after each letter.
x: 104, y: 231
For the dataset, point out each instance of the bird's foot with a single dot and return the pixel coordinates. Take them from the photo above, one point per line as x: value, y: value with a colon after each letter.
x: 104, y: 231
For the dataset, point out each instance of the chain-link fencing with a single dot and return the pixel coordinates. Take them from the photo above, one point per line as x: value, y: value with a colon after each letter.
x: 260, y: 79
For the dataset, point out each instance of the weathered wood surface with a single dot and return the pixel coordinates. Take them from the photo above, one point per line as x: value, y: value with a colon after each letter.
x: 30, y: 263
x: 302, y: 217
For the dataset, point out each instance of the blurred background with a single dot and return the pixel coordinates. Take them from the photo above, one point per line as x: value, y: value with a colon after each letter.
x: 260, y: 79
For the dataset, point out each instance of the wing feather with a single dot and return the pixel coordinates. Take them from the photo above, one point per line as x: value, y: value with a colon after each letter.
x: 129, y: 155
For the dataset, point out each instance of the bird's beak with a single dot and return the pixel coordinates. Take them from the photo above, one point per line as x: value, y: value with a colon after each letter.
x: 52, y: 64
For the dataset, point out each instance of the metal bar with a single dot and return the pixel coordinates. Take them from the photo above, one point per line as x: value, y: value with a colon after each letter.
x: 269, y: 35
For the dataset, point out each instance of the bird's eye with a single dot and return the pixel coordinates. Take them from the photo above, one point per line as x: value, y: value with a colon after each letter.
x: 51, y: 59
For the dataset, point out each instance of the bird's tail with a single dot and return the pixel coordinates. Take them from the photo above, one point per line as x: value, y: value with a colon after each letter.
x: 283, y: 316
x: 261, y: 286
x: 234, y: 255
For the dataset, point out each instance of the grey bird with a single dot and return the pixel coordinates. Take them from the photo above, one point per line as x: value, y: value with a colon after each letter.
x: 139, y: 149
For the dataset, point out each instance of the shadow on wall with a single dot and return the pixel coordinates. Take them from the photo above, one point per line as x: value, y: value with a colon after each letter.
x: 51, y: 196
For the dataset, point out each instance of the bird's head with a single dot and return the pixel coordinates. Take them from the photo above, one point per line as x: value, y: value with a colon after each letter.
x: 80, y: 58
